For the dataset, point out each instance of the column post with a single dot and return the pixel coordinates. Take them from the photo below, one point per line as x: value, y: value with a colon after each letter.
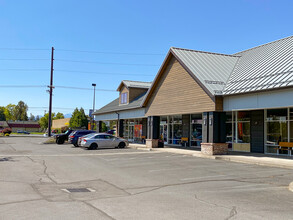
x: 120, y: 126
x: 153, y: 131
x: 214, y: 133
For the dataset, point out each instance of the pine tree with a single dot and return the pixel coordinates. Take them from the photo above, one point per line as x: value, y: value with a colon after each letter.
x: 78, y: 119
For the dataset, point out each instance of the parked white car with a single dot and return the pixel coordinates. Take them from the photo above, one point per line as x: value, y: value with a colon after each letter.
x: 103, y: 140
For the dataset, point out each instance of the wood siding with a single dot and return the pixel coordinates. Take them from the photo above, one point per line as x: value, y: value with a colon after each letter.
x: 219, y: 103
x: 135, y: 92
x: 176, y: 92
x: 123, y: 90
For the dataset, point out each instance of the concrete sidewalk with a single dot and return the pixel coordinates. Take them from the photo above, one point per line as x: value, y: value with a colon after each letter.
x: 239, y: 157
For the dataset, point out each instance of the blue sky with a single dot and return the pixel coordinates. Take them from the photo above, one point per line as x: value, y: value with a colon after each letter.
x: 142, y: 30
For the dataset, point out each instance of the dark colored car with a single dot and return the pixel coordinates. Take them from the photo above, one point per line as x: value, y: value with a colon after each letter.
x: 61, y: 138
x: 22, y: 132
x: 73, y: 137
x: 111, y: 132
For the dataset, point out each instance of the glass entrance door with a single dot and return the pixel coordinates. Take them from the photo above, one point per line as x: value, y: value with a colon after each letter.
x: 195, y: 130
x: 131, y: 132
x: 163, y: 133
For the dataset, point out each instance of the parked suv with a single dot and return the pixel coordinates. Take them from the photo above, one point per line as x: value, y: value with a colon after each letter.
x: 73, y: 137
x: 61, y: 138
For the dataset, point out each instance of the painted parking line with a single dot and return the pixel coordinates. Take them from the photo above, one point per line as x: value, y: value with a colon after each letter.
x: 77, y: 155
x: 202, y: 177
x: 168, y: 169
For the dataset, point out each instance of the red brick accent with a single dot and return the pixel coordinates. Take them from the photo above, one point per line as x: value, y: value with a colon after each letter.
x: 214, y: 148
x: 152, y: 143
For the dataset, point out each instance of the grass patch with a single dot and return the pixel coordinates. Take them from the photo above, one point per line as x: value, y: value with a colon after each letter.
x: 50, y: 140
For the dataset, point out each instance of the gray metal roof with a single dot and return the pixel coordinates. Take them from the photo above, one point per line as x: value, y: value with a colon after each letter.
x: 211, y: 69
x: 137, y: 84
x: 268, y: 66
x: 115, y: 106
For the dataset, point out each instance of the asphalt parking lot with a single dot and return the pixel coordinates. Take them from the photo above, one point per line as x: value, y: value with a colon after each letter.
x: 36, y: 180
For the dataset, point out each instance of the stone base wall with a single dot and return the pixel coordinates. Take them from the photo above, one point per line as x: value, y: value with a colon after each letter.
x: 214, y: 148
x: 152, y: 143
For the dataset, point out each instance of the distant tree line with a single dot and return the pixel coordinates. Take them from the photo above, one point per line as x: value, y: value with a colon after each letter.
x: 13, y: 112
x: 18, y: 112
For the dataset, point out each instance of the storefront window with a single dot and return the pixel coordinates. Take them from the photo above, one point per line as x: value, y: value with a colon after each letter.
x: 243, y: 127
x: 229, y: 129
x: 174, y: 126
x: 125, y: 129
x: 291, y: 124
x: 163, y: 128
x: 170, y: 133
x: 132, y: 130
x: 277, y: 130
x: 196, y: 130
x: 177, y: 133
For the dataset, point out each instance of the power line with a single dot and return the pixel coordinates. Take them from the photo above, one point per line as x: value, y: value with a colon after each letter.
x: 105, y: 52
x: 26, y: 49
x: 24, y: 69
x: 101, y: 73
x: 62, y: 87
x: 55, y: 108
x: 23, y: 86
x: 69, y: 87
x: 122, y: 64
x: 24, y: 59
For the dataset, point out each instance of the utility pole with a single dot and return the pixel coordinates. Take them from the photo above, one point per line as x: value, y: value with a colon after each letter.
x: 93, y: 117
x: 51, y: 93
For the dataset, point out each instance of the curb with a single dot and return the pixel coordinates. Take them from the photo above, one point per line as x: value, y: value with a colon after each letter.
x: 291, y: 186
x: 218, y: 157
x: 258, y: 163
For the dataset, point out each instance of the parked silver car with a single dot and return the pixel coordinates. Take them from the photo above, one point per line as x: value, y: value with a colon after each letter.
x: 103, y: 140
x: 85, y: 136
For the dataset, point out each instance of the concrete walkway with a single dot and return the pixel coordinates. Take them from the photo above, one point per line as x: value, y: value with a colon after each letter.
x: 239, y: 157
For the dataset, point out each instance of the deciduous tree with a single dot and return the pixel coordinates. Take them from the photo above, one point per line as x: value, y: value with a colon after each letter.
x: 59, y: 115
x: 21, y: 111
x: 44, y: 121
x: 10, y: 112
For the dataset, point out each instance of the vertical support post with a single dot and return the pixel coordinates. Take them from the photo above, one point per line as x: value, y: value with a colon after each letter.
x: 51, y: 93
x: 94, y: 100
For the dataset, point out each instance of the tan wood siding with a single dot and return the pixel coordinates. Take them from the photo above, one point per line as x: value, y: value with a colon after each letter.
x: 135, y: 92
x: 123, y: 90
x: 176, y: 92
x: 219, y: 103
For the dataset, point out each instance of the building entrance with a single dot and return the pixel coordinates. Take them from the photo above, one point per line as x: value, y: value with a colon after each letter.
x: 195, y: 130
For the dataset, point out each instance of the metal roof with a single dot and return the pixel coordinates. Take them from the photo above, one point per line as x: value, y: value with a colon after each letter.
x: 135, y: 84
x: 211, y: 69
x: 268, y: 66
x: 115, y: 106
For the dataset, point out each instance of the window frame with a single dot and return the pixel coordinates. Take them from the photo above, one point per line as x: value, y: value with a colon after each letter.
x: 123, y: 98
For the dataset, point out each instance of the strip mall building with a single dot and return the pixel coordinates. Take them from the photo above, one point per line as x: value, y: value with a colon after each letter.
x: 242, y: 101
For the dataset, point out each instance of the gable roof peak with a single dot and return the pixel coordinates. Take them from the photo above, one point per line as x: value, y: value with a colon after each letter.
x: 134, y: 84
x: 200, y: 51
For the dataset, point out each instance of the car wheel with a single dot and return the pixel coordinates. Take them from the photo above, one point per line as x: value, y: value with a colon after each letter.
x: 75, y: 145
x: 59, y: 141
x: 93, y: 146
x: 121, y: 145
